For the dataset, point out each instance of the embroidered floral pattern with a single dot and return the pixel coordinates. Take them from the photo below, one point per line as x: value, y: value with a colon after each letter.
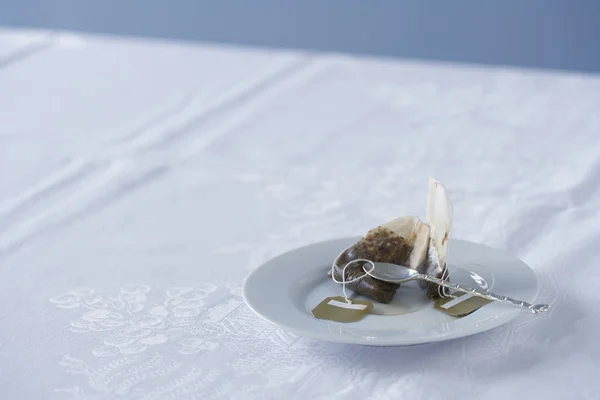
x: 133, y: 329
x: 195, y: 319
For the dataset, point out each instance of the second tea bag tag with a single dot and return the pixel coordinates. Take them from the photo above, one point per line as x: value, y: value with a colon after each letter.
x: 339, y: 310
x: 461, y: 305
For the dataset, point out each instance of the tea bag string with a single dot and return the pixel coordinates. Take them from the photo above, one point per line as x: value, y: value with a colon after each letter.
x: 488, y: 285
x: 447, y: 272
x: 344, y: 281
x: 434, y: 258
x: 432, y: 253
x: 442, y: 293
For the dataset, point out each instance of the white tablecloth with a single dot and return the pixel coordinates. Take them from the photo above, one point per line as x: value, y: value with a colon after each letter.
x: 140, y: 183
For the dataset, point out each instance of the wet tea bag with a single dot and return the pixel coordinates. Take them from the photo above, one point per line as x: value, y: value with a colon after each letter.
x: 439, y: 219
x: 402, y: 241
x: 405, y: 241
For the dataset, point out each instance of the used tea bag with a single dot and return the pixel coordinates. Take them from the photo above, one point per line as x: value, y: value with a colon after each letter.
x: 405, y: 241
x: 402, y: 241
x: 439, y: 219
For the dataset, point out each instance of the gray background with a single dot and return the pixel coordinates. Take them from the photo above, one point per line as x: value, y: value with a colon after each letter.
x: 555, y: 34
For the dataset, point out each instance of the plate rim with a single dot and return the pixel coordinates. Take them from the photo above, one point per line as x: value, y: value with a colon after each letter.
x: 393, y: 341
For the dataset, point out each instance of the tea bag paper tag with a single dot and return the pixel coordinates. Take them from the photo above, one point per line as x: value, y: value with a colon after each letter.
x: 337, y: 309
x: 462, y: 305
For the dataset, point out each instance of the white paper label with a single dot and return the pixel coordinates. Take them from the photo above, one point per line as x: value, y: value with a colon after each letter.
x: 456, y: 301
x: 341, y: 304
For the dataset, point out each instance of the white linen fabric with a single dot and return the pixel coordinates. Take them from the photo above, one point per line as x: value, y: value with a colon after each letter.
x: 141, y: 181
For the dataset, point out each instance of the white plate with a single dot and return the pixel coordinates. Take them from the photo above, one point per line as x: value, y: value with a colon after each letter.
x: 285, y: 289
